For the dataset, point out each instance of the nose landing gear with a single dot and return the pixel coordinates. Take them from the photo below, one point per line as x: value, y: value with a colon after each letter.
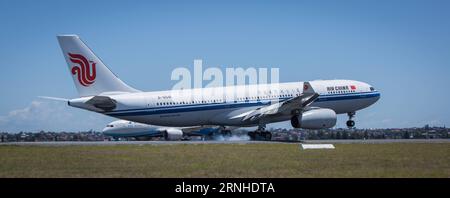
x: 350, y: 123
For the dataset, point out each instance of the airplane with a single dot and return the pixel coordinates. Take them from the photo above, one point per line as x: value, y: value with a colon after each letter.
x: 308, y: 105
x: 125, y: 128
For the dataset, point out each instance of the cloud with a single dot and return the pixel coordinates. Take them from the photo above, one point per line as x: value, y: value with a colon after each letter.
x: 51, y: 116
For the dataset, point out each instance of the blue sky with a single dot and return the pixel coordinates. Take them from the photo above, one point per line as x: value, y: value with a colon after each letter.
x: 400, y: 47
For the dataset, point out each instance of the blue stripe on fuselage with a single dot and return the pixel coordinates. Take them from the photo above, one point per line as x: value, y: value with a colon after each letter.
x: 134, y: 134
x: 214, y: 106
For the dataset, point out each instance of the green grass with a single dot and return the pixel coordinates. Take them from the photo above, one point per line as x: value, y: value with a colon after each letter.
x: 227, y: 160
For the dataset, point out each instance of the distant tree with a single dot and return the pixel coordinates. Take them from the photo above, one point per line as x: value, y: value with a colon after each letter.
x: 332, y: 135
x: 338, y: 135
x: 345, y: 135
x: 320, y: 134
x: 405, y: 135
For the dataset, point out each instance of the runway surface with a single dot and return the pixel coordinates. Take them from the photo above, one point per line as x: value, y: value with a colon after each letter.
x: 380, y: 141
x: 139, y: 142
x: 69, y: 143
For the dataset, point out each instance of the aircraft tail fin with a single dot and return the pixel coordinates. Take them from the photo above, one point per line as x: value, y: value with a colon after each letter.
x: 90, y: 75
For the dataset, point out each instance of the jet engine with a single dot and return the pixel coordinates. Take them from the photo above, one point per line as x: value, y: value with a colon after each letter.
x: 173, y: 134
x: 315, y: 119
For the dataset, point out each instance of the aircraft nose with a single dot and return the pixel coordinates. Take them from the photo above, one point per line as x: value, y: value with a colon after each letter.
x: 107, y: 131
x: 378, y: 96
x: 375, y: 92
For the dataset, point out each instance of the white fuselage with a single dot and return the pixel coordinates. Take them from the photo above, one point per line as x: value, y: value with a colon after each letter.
x: 211, y: 106
x: 124, y: 128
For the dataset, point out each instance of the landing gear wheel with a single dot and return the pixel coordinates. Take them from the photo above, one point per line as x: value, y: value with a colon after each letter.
x: 350, y: 123
x: 268, y: 136
x: 252, y: 135
x: 260, y: 135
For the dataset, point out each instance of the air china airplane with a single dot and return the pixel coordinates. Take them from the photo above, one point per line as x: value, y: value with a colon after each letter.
x: 125, y: 128
x: 308, y: 105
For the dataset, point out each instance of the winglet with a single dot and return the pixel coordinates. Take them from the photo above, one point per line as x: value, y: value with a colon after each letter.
x: 309, y: 94
x: 307, y: 88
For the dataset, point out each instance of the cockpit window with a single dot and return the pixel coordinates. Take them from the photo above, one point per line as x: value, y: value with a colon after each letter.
x: 109, y: 125
x: 372, y: 89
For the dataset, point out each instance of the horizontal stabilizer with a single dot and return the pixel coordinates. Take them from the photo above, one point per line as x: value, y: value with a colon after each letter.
x: 102, y: 102
x: 54, y: 98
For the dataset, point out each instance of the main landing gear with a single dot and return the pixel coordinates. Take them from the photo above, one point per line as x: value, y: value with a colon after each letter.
x: 350, y: 123
x: 260, y: 134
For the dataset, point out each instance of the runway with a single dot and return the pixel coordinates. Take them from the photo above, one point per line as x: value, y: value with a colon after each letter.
x: 69, y: 143
x: 73, y: 143
x: 378, y: 141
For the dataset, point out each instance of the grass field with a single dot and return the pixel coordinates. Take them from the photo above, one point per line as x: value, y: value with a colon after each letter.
x: 225, y: 160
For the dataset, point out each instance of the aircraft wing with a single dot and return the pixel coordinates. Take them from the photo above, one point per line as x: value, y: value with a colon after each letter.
x: 296, y: 104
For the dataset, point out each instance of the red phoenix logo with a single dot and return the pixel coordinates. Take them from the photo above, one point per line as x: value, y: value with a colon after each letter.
x: 305, y: 87
x: 85, y: 72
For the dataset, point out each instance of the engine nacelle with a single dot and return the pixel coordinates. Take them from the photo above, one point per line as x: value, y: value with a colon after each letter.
x: 173, y: 134
x: 315, y: 119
